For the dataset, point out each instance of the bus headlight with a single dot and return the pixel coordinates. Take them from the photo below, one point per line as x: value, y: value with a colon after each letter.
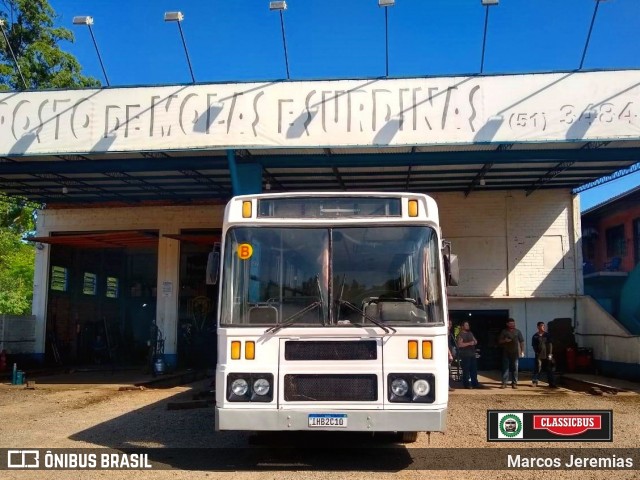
x: 421, y: 388
x: 399, y: 387
x: 250, y: 387
x: 411, y: 387
x: 240, y: 387
x: 261, y: 387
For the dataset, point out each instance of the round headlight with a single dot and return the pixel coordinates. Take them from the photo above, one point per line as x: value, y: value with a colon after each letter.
x: 239, y: 387
x: 421, y: 388
x: 399, y: 387
x: 261, y: 386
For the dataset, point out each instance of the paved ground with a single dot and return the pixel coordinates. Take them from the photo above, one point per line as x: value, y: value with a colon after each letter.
x: 89, y: 411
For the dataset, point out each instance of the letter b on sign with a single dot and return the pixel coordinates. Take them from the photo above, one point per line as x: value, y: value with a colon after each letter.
x: 245, y: 251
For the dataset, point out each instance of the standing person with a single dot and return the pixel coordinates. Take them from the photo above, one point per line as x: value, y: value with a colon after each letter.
x: 452, y: 352
x: 467, y: 352
x: 543, y: 349
x: 512, y: 343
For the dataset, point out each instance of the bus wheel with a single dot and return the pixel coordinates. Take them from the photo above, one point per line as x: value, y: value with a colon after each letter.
x: 407, y: 437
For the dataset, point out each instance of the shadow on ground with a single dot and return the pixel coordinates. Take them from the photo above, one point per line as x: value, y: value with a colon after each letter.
x: 187, y: 440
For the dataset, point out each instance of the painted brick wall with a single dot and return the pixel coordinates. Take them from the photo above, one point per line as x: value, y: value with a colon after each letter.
x: 511, y: 245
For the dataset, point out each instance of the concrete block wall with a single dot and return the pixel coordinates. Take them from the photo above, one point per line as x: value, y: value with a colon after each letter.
x: 513, y: 245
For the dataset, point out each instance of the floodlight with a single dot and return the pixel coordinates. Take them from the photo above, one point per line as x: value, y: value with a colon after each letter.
x: 173, y: 16
x: 88, y: 21
x: 386, y: 3
x: 278, y: 5
x: 489, y: 3
x: 178, y: 17
x: 83, y: 20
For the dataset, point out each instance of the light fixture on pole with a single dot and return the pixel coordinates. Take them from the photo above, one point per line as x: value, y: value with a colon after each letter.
x: 386, y: 4
x: 593, y: 21
x: 486, y: 4
x: 178, y: 17
x: 281, y: 6
x: 15, y: 60
x: 88, y: 21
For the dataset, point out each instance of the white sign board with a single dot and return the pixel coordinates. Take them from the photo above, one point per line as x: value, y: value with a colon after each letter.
x: 342, y: 113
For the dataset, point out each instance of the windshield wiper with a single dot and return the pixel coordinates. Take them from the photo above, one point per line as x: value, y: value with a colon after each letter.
x: 292, y: 318
x: 384, y: 327
x: 321, y: 299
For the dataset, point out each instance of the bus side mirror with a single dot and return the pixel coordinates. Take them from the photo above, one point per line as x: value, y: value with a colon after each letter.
x: 213, y: 265
x: 451, y: 267
x: 452, y: 270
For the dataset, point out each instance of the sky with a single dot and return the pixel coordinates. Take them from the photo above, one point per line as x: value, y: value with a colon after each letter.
x: 241, y: 40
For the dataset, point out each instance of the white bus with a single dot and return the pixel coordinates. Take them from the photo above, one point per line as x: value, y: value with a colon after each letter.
x: 333, y: 314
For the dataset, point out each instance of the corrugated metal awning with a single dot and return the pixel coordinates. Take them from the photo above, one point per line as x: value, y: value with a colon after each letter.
x: 116, y: 239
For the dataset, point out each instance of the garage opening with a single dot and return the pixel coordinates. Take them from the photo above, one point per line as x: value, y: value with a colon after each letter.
x: 101, y: 297
x: 486, y: 325
x: 198, y: 299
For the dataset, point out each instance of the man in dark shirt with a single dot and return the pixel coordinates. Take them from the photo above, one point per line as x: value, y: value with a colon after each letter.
x: 453, y: 352
x: 512, y: 343
x: 543, y: 348
x: 467, y: 352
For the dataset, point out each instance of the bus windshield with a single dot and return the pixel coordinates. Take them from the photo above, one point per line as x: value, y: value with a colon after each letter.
x: 331, y: 276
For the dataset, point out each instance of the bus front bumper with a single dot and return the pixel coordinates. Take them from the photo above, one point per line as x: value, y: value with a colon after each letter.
x: 357, y: 420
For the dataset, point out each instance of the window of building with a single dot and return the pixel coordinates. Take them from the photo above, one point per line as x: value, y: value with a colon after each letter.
x: 59, y: 279
x: 616, y: 245
x: 113, y: 287
x: 89, y: 284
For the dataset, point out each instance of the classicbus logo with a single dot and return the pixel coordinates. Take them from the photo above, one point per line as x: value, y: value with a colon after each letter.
x: 570, y: 425
x: 550, y: 426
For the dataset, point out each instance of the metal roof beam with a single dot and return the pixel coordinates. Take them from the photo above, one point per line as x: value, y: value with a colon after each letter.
x: 126, y: 178
x: 485, y: 168
x: 619, y: 174
x: 70, y: 182
x: 69, y: 199
x: 560, y: 167
x: 478, y: 178
x: 631, y: 155
x: 200, y: 178
x: 336, y: 172
x: 120, y: 165
x: 72, y: 158
x: 272, y: 179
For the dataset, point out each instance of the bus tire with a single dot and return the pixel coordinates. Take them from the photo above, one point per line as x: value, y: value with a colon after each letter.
x: 408, y: 437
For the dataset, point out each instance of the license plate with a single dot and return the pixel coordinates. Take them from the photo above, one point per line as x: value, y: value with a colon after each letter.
x: 327, y: 420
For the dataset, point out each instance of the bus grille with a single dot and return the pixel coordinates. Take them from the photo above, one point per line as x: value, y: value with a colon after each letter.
x: 327, y: 388
x: 324, y: 350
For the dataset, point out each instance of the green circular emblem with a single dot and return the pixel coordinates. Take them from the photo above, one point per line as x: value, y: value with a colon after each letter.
x: 510, y: 426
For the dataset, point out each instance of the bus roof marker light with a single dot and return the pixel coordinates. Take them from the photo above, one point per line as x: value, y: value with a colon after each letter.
x: 246, y: 209
x: 412, y: 348
x: 235, y: 350
x: 250, y: 350
x: 427, y: 349
x: 413, y: 208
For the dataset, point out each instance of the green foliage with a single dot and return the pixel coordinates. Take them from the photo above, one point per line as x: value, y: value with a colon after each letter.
x: 16, y: 257
x: 16, y: 274
x: 17, y: 215
x: 29, y: 25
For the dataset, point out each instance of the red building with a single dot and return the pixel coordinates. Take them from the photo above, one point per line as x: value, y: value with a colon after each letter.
x: 611, y: 234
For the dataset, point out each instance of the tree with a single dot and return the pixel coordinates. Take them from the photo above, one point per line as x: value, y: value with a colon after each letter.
x: 29, y: 25
x: 16, y: 274
x: 17, y: 257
